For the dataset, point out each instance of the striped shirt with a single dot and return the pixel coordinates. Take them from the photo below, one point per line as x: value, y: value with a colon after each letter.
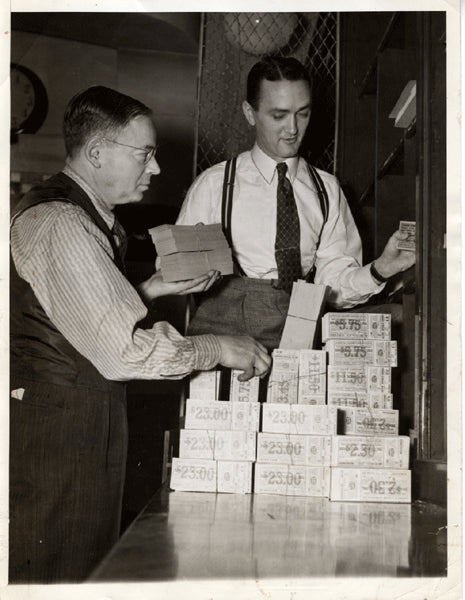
x: 68, y: 261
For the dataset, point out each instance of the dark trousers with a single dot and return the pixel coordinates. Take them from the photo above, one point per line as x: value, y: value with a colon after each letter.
x: 243, y: 306
x: 68, y: 449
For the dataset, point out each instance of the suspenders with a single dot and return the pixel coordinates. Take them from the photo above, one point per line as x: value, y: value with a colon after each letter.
x: 227, y: 200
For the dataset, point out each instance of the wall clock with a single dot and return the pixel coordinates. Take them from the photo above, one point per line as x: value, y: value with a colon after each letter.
x: 29, y: 102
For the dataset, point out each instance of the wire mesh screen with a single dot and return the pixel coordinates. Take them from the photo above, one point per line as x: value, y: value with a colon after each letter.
x: 232, y: 43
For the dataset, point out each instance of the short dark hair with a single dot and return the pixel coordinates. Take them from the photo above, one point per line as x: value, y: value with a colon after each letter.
x: 274, y: 68
x: 98, y: 110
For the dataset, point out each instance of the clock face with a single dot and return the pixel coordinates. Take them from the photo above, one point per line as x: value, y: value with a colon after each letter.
x: 29, y: 103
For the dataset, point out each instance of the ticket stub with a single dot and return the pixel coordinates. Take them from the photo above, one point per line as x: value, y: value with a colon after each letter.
x: 312, y: 375
x: 291, y: 480
x: 359, y: 379
x: 245, y: 416
x: 299, y: 418
x: 346, y: 352
x: 235, y: 445
x: 374, y: 326
x: 193, y: 475
x: 360, y: 399
x: 370, y: 451
x: 363, y: 421
x: 234, y: 477
x: 370, y: 485
x: 204, y: 385
x: 243, y: 391
x: 408, y: 227
x: 294, y: 449
x: 197, y: 443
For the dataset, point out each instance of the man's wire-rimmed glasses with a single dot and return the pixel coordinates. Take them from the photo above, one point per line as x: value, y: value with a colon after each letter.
x: 149, y: 152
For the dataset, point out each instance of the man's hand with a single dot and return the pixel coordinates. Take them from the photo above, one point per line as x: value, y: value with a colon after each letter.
x: 155, y: 287
x: 244, y: 353
x: 393, y: 260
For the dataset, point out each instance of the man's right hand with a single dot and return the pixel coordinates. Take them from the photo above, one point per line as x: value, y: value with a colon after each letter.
x: 244, y: 353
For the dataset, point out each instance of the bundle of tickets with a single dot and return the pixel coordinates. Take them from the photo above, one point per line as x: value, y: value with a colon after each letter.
x: 188, y: 251
x: 303, y: 316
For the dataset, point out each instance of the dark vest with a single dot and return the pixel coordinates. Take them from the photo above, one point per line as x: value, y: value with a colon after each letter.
x: 38, y: 351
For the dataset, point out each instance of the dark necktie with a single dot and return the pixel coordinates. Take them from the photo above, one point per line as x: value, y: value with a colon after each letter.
x: 287, y: 244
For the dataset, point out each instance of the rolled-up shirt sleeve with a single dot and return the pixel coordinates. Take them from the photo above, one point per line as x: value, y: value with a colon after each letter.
x: 339, y: 256
x: 68, y: 262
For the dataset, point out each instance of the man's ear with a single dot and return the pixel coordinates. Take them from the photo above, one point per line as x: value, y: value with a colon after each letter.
x: 92, y: 151
x: 249, y: 113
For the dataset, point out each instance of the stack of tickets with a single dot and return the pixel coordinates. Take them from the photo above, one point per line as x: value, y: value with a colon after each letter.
x: 217, y: 448
x: 188, y: 251
x: 369, y: 459
x: 327, y: 428
x: 303, y: 316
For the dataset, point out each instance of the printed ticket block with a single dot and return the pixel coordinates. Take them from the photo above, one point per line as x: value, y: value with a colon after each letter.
x: 408, y: 227
x: 283, y: 382
x: 193, y: 475
x: 188, y: 265
x: 243, y: 391
x: 169, y: 239
x: 370, y: 485
x: 298, y: 333
x: 291, y: 480
x: 369, y: 451
x: 372, y: 326
x: 299, y: 418
x: 359, y: 379
x: 205, y: 385
x: 312, y: 376
x: 294, y: 449
x: 222, y: 415
x: 360, y: 399
x: 234, y: 477
x: 217, y: 445
x: 363, y: 421
x: 347, y: 352
x: 235, y: 445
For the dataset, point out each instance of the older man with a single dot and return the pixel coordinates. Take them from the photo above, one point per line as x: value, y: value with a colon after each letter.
x: 76, y: 339
x: 285, y: 219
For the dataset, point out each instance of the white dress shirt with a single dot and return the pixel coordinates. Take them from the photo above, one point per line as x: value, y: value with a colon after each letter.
x: 68, y: 261
x: 253, y: 224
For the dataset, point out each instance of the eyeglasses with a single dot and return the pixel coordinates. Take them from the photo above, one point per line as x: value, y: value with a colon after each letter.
x: 149, y: 153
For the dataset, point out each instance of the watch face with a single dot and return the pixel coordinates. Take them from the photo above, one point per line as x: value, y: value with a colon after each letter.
x: 29, y: 103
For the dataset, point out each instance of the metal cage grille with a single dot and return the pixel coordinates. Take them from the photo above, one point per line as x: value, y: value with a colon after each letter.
x: 231, y: 44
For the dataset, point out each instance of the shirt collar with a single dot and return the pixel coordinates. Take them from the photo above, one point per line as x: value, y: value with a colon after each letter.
x: 267, y: 166
x: 106, y: 214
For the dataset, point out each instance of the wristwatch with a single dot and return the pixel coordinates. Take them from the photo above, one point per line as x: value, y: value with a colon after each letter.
x: 377, y: 276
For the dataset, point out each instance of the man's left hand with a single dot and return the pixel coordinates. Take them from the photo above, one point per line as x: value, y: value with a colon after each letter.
x: 393, y: 260
x: 155, y: 287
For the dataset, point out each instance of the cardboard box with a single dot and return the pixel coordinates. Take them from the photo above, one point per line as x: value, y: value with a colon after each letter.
x: 347, y: 352
x: 193, y: 475
x: 291, y: 480
x: 364, y: 421
x: 234, y: 477
x: 350, y: 325
x: 294, y: 449
x: 299, y: 418
x: 243, y: 391
x: 371, y: 452
x: 370, y: 485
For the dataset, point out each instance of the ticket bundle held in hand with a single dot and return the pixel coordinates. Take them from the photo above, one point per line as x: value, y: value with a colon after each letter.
x: 189, y: 251
x: 327, y: 428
